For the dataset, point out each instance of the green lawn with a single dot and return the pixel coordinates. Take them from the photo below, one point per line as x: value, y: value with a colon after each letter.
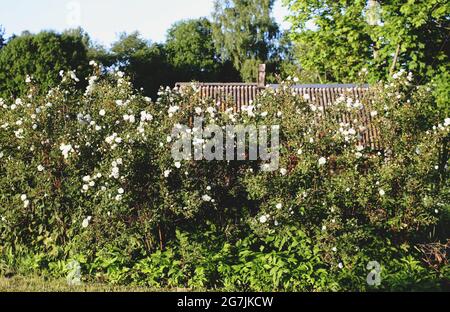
x: 40, y: 284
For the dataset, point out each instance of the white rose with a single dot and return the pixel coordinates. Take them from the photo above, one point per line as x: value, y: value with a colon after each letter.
x: 322, y: 161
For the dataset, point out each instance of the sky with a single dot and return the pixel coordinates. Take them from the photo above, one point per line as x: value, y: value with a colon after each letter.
x: 104, y: 20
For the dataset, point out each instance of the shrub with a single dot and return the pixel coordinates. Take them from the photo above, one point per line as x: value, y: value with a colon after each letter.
x: 88, y: 175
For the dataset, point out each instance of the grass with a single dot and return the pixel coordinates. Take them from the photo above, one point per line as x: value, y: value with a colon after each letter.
x: 40, y: 284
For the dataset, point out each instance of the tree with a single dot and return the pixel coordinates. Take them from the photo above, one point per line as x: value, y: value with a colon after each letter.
x: 145, y: 62
x: 41, y: 56
x: 191, y: 50
x: 245, y: 33
x: 381, y: 36
x: 2, y: 39
x: 192, y: 53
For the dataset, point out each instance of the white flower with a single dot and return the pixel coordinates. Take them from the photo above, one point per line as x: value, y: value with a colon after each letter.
x: 120, y: 74
x: 110, y: 139
x: 86, y: 221
x: 373, y: 113
x: 28, y: 79
x: 19, y: 133
x: 120, y: 191
x: 206, y: 198
x: 198, y: 110
x: 447, y: 122
x: 26, y: 203
x: 146, y: 116
x: 283, y: 171
x: 334, y: 249
x: 436, y: 211
x: 66, y: 149
x: 173, y: 109
x: 249, y: 109
x: 73, y: 76
x: 340, y: 265
x: 322, y: 161
x: 167, y: 173
x: 92, y: 63
x: 178, y: 165
x: 23, y: 197
x: 119, y: 102
x: 169, y: 139
x: 410, y: 76
x: 208, y: 188
x: 279, y: 206
x: 115, y: 172
x: 264, y: 114
x: 324, y: 227
x: 381, y: 192
x: 300, y: 151
x: 102, y: 112
x: 40, y: 168
x: 263, y: 219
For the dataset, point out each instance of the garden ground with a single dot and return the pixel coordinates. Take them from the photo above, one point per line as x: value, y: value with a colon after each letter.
x: 40, y: 284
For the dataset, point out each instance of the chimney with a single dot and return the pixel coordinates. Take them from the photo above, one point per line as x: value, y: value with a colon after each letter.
x: 262, y: 75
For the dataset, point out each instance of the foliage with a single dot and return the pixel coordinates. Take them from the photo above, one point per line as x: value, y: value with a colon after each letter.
x: 382, y: 36
x: 245, y: 33
x: 140, y: 58
x: 2, y: 39
x: 41, y: 57
x: 88, y: 176
x: 192, y: 53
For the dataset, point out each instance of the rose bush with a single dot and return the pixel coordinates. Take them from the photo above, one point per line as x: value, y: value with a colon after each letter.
x: 88, y: 175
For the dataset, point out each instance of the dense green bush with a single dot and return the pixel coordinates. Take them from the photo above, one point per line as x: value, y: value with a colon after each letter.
x: 41, y: 56
x: 88, y: 176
